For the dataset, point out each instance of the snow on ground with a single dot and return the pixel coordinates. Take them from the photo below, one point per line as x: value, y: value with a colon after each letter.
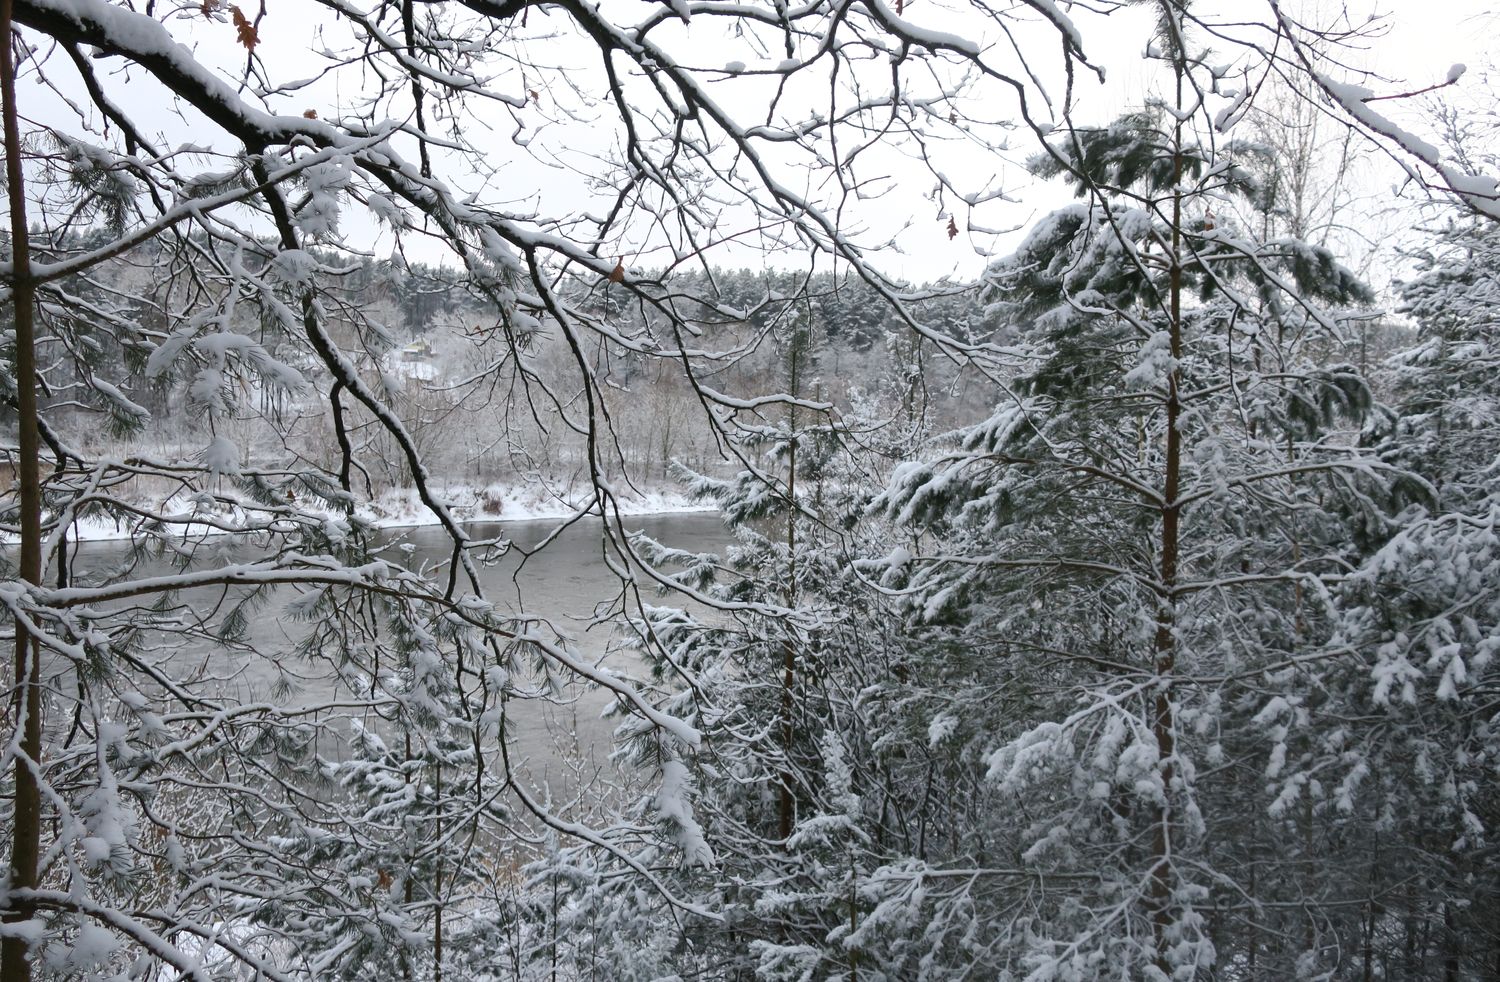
x: 401, y: 508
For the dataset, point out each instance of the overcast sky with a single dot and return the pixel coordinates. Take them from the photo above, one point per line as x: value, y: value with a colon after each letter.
x: 1424, y: 37
x: 1422, y: 40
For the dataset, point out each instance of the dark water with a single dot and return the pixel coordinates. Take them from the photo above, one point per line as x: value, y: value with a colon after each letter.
x: 558, y: 742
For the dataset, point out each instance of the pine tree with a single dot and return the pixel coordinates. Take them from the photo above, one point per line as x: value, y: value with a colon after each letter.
x: 1143, y: 522
x: 1410, y: 776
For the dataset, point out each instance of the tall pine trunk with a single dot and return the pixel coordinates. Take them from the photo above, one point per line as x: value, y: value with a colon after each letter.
x: 1163, y: 724
x: 26, y: 704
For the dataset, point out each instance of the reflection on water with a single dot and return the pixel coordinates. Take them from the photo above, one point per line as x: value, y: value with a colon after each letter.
x: 554, y: 742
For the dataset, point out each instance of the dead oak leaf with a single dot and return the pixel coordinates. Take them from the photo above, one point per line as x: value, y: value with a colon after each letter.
x: 246, y: 32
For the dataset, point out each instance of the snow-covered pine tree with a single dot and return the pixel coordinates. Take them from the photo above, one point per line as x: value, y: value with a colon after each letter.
x: 1137, y: 534
x: 1444, y: 386
x: 768, y: 830
x: 770, y: 825
x: 1408, y: 778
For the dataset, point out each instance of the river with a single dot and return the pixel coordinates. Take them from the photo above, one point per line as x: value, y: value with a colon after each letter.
x: 562, y: 582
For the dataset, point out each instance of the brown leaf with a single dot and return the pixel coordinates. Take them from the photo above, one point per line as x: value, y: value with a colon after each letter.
x: 207, y: 7
x: 383, y: 881
x: 247, y: 33
x: 309, y: 114
x: 952, y: 228
x: 617, y: 275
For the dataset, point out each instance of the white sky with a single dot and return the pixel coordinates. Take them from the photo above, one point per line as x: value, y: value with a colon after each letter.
x: 1425, y: 37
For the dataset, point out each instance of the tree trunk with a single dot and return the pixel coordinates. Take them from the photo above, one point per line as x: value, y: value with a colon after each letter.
x: 788, y: 652
x: 1370, y: 914
x: 26, y: 706
x: 437, y: 878
x: 1163, y: 724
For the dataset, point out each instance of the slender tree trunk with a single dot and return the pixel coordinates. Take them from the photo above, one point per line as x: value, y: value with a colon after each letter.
x: 437, y: 879
x: 1253, y: 941
x: 408, y: 885
x: 853, y: 919
x: 1409, y: 941
x: 1370, y: 912
x: 555, y: 905
x: 1163, y: 724
x: 788, y: 651
x: 1451, y: 942
x: 26, y: 707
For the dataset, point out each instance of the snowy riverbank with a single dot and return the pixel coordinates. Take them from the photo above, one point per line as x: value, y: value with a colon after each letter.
x: 401, y: 508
